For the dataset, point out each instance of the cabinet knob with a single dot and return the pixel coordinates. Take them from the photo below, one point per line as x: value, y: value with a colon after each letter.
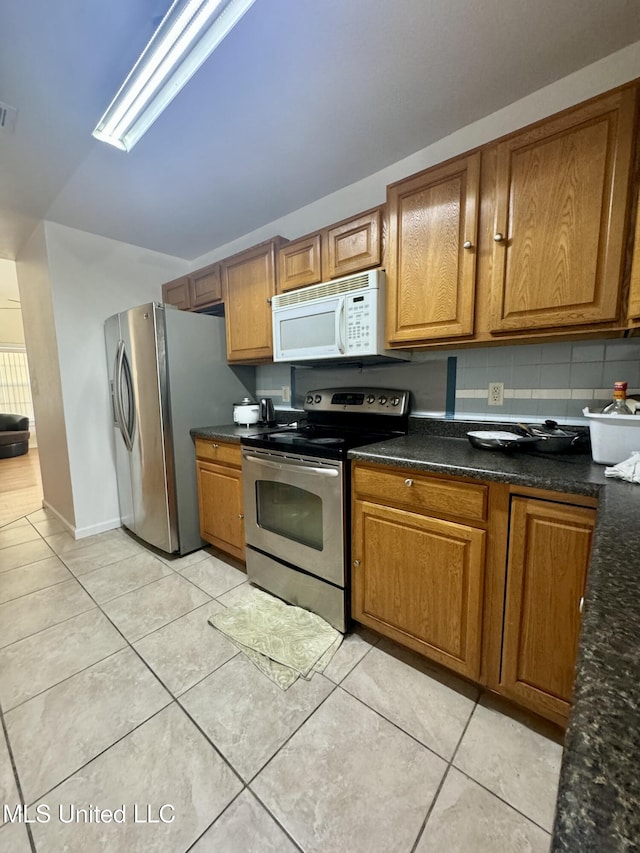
x: 467, y: 244
x: 498, y: 237
x: 408, y: 482
x: 581, y: 605
x: 356, y: 563
x: 268, y: 300
x: 215, y: 446
x: 241, y: 515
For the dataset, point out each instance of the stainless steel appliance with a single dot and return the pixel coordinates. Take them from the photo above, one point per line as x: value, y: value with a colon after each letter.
x: 168, y: 373
x: 342, y: 320
x: 296, y: 488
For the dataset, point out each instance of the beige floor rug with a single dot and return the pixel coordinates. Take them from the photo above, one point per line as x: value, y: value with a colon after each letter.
x: 283, y: 641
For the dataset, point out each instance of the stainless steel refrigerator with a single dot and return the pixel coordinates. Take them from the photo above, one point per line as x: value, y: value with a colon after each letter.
x: 168, y: 372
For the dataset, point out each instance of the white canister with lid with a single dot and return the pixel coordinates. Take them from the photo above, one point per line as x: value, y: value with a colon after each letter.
x: 246, y: 412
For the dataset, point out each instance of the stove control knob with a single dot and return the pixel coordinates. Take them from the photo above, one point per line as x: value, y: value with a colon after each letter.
x: 371, y: 399
x: 309, y: 398
x: 395, y: 401
x: 318, y: 398
x: 382, y: 400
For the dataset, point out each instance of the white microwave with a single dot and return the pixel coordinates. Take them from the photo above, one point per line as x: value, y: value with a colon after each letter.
x: 339, y: 320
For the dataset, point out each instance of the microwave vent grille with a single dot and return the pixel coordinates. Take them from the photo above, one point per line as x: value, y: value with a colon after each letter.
x: 317, y: 291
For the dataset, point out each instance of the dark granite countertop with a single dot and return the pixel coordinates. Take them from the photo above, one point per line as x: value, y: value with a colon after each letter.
x: 233, y: 433
x: 598, y: 808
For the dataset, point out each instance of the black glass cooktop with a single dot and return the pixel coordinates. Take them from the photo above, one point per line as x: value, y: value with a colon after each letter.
x: 312, y: 440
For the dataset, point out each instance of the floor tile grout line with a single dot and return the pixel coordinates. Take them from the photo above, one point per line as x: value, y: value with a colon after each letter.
x: 40, y: 589
x: 16, y: 777
x: 430, y: 809
x: 102, y: 752
x: 26, y: 637
x: 182, y: 693
x: 146, y: 664
x: 42, y: 630
x: 445, y: 774
x: 486, y: 694
x: 160, y: 680
x: 121, y: 594
x: 502, y: 800
x: 296, y: 844
x: 356, y: 663
x: 334, y: 687
x: 13, y: 544
x: 66, y: 678
x: 394, y: 724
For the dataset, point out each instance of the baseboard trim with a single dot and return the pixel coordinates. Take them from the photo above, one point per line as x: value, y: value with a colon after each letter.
x: 93, y: 529
x: 83, y: 532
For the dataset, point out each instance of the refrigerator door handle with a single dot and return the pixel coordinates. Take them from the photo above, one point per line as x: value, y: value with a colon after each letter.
x: 118, y: 389
x: 115, y: 391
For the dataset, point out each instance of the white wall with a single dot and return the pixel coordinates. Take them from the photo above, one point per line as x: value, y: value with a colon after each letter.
x: 44, y: 370
x: 614, y: 70
x: 11, y: 329
x: 90, y: 278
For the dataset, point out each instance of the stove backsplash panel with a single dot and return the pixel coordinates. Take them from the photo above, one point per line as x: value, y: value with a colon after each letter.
x: 547, y: 380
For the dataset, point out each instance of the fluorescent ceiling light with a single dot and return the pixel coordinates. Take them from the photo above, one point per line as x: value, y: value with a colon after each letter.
x: 190, y: 31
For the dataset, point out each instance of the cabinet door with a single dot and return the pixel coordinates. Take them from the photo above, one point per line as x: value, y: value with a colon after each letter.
x: 634, y: 288
x: 562, y: 192
x: 549, y: 547
x: 431, y: 260
x: 353, y: 245
x: 176, y: 293
x: 419, y: 580
x: 249, y: 282
x: 299, y: 263
x: 220, y: 502
x: 205, y: 287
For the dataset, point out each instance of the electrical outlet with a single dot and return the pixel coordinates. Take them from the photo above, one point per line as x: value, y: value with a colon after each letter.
x: 496, y: 393
x: 286, y: 394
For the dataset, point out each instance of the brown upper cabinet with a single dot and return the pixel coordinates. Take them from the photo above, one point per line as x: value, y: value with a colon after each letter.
x: 205, y: 287
x: 248, y: 284
x: 562, y: 192
x: 347, y: 247
x: 634, y: 288
x: 299, y: 263
x: 431, y: 256
x: 176, y: 293
x: 352, y: 245
x: 199, y: 289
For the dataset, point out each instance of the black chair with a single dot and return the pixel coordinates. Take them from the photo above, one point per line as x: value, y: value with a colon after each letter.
x: 14, y: 435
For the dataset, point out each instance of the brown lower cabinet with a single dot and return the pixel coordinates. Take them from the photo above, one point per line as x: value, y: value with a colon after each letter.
x: 219, y: 475
x: 475, y: 577
x: 549, y: 548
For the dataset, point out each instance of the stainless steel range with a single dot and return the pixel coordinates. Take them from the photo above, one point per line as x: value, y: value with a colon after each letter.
x: 297, y: 496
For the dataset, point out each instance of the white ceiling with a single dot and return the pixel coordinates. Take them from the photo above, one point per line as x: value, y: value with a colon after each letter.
x: 302, y: 98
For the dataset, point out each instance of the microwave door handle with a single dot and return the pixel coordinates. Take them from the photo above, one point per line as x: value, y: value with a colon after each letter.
x: 340, y: 313
x: 292, y: 466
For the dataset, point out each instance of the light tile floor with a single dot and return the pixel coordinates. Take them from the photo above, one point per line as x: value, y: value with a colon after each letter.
x: 116, y: 693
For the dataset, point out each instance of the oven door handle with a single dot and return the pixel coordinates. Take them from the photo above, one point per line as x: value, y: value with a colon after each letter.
x: 292, y: 466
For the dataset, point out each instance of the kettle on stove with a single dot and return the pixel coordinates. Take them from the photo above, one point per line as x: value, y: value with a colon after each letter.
x: 267, y: 413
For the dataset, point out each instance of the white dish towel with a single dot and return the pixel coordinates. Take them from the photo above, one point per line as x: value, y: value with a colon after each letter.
x: 628, y: 470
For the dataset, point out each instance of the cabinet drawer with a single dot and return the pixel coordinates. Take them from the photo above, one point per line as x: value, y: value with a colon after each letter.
x: 423, y: 493
x: 216, y: 451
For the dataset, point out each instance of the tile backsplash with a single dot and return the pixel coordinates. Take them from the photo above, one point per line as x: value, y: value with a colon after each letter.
x: 547, y: 380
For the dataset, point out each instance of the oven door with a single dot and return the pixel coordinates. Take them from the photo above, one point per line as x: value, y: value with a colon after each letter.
x: 294, y: 511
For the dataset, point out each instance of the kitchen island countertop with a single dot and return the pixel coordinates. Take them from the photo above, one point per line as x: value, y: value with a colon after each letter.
x: 598, y: 807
